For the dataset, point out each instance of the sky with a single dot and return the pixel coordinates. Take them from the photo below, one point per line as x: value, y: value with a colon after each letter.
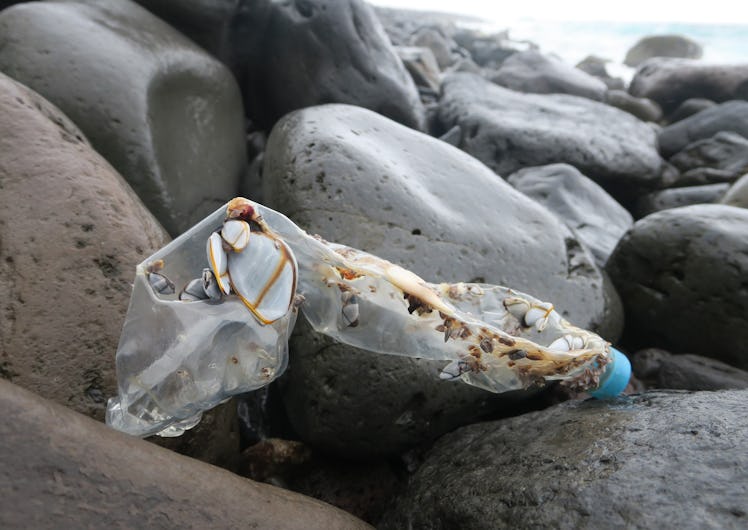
x: 711, y: 12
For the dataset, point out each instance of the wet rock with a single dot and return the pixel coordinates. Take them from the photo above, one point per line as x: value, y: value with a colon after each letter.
x: 508, y: 131
x: 357, y: 178
x: 533, y: 72
x: 725, y: 151
x: 68, y: 470
x: 689, y: 108
x: 440, y: 44
x: 659, y: 459
x: 670, y: 82
x: 677, y: 197
x: 682, y: 276
x: 737, y: 195
x: 421, y: 66
x: 729, y: 117
x: 595, y: 216
x: 72, y: 232
x: 676, y: 46
x: 163, y: 112
x: 643, y: 108
x: 595, y: 66
x: 661, y: 369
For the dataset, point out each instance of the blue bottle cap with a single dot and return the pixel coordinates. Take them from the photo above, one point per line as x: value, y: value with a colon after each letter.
x: 615, y: 377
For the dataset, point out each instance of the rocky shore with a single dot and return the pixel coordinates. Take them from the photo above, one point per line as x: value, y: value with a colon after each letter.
x: 459, y: 155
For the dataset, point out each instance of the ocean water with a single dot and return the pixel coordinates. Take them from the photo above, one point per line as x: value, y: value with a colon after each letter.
x: 573, y: 41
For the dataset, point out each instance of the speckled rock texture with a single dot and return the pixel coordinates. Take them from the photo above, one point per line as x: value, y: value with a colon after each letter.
x: 360, y: 179
x: 660, y: 459
x: 597, y: 219
x: 508, y: 131
x: 683, y: 277
x: 162, y: 111
x: 59, y: 469
x: 72, y: 232
x: 670, y: 82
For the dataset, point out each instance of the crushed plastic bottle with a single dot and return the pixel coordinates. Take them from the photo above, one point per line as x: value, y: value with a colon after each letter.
x: 179, y: 357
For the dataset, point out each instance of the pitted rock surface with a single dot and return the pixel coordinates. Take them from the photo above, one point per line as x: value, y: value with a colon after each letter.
x: 683, y: 277
x: 508, y: 131
x: 660, y: 459
x: 163, y: 112
x: 72, y: 232
x: 357, y: 178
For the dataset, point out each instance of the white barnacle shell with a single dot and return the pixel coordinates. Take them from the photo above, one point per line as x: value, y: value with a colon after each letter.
x: 236, y: 234
x: 565, y: 343
x: 264, y: 276
x: 193, y: 291
x: 218, y: 261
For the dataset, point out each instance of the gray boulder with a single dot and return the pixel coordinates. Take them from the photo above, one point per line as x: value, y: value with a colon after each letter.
x: 360, y: 179
x: 726, y: 151
x: 737, y: 195
x: 670, y: 82
x: 729, y: 117
x: 291, y: 55
x: 595, y: 216
x: 163, y: 112
x: 533, y: 72
x: 676, y: 46
x: 643, y: 108
x: 595, y: 66
x: 682, y: 276
x: 508, y: 131
x: 421, y: 66
x: 59, y: 469
x: 660, y: 459
x: 677, y: 197
x: 689, y: 108
x: 440, y: 44
x: 660, y: 369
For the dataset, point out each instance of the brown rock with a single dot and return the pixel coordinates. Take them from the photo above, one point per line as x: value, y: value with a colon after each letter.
x: 59, y: 469
x: 72, y: 231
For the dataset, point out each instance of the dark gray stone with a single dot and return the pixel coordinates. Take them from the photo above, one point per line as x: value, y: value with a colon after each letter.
x: 677, y: 197
x: 683, y: 277
x: 660, y: 459
x: 737, y: 195
x: 360, y: 179
x: 689, y: 108
x: 595, y: 216
x: 440, y: 44
x: 726, y: 151
x: 59, y: 469
x: 508, y: 130
x: 490, y: 50
x: 595, y: 66
x: 660, y: 369
x: 677, y: 46
x: 533, y: 72
x: 163, y: 112
x: 421, y: 66
x: 643, y: 108
x: 670, y: 82
x: 729, y: 117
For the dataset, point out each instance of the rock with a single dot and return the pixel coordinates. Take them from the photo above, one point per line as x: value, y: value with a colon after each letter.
x: 677, y: 197
x: 688, y: 108
x: 595, y: 216
x: 345, y: 53
x: 435, y: 39
x: 421, y: 66
x: 661, y: 459
x: 725, y: 151
x: 72, y: 232
x: 595, y: 66
x: 729, y: 117
x: 357, y: 178
x: 164, y: 113
x: 677, y: 46
x: 643, y: 108
x: 490, y: 50
x: 670, y: 82
x: 508, y: 131
x: 682, y: 276
x: 737, y: 195
x: 533, y: 72
x: 660, y: 369
x: 68, y: 470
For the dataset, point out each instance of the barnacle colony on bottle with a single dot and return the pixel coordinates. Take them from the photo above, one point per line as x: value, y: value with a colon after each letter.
x: 211, y: 313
